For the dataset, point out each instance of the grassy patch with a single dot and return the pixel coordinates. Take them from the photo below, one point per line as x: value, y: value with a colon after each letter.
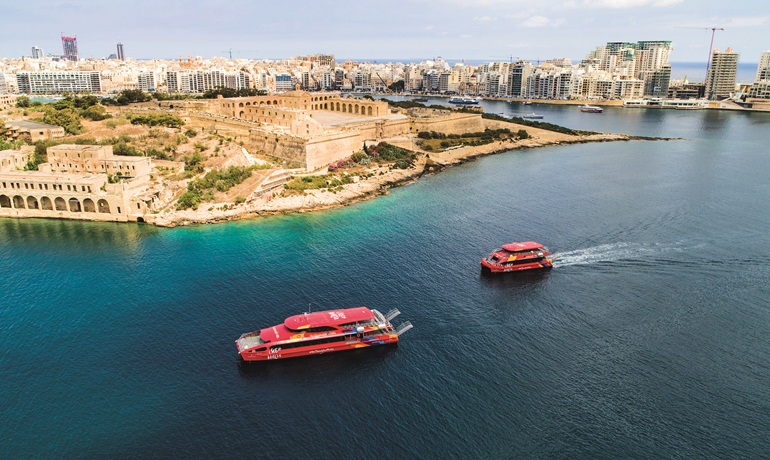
x: 537, y: 124
x: 203, y: 189
x: 326, y: 181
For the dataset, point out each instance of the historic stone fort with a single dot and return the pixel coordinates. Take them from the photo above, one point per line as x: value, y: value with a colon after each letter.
x: 299, y: 130
x: 312, y: 130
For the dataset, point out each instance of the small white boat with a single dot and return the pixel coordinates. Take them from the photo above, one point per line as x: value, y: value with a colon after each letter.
x: 527, y: 102
x: 532, y: 116
x: 591, y: 109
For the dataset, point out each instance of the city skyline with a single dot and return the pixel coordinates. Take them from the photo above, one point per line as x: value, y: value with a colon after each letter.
x: 419, y: 29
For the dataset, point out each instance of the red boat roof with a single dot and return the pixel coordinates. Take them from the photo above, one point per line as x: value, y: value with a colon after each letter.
x: 294, y: 325
x: 328, y: 318
x: 522, y: 246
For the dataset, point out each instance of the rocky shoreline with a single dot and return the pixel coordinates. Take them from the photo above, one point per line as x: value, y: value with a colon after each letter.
x: 381, y: 179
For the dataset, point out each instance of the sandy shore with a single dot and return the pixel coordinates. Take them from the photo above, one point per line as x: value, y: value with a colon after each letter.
x: 382, y: 178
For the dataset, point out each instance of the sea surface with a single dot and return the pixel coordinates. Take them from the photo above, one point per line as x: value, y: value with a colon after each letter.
x: 649, y: 339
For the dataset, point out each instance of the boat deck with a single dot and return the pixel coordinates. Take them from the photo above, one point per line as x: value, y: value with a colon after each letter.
x: 249, y: 341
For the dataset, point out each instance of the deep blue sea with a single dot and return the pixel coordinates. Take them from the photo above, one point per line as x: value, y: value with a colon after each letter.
x: 649, y: 339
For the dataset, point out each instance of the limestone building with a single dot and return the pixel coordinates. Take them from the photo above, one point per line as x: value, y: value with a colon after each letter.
x: 32, y: 131
x: 76, y: 184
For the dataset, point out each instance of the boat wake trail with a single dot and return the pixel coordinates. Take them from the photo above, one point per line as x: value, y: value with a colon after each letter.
x: 614, y: 252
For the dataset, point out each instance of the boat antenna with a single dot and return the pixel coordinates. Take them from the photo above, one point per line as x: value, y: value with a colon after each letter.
x: 308, y: 308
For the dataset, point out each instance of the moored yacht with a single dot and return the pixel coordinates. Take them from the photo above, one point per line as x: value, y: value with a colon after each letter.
x: 591, y: 108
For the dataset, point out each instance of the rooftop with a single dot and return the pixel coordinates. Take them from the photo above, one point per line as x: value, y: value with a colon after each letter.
x: 31, y: 125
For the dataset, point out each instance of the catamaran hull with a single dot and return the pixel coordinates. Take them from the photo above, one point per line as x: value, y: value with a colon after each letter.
x: 280, y: 352
x: 542, y: 264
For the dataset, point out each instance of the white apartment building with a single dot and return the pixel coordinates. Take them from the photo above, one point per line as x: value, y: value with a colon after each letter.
x: 764, y: 64
x: 58, y: 82
x: 721, y: 77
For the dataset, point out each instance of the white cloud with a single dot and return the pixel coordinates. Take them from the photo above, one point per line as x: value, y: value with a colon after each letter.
x: 520, y: 15
x: 618, y: 4
x: 484, y: 18
x: 748, y: 22
x: 429, y: 28
x: 542, y: 21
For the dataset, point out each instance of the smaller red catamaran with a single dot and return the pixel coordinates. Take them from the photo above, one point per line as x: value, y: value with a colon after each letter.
x: 321, y: 332
x: 513, y: 257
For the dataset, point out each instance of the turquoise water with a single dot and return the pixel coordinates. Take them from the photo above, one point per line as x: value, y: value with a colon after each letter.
x: 648, y: 339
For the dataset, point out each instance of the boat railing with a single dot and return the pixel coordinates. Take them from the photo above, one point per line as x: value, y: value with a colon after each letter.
x: 392, y: 314
x: 403, y: 327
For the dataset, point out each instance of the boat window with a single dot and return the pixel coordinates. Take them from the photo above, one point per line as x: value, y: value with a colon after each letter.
x: 308, y: 343
x: 320, y: 329
x: 258, y: 349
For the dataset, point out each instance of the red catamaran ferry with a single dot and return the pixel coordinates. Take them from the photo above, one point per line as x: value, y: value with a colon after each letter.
x: 321, y: 332
x: 518, y: 256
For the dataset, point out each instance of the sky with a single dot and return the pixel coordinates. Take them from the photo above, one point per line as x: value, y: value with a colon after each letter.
x: 486, y: 30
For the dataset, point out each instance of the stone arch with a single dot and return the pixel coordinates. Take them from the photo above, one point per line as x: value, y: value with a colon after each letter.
x: 140, y: 220
x: 104, y: 207
x: 350, y: 108
x: 45, y: 204
x: 248, y: 104
x: 275, y: 102
x: 75, y: 205
x: 356, y: 109
x: 88, y: 205
x: 268, y: 102
x: 326, y: 106
x: 344, y: 107
x: 338, y: 107
x: 240, y: 104
x: 5, y: 202
x: 32, y: 203
x: 240, y: 115
x: 60, y: 204
x: 369, y: 111
x: 18, y: 202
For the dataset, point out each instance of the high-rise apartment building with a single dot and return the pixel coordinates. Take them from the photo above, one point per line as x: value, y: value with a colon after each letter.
x: 656, y: 82
x: 764, y: 65
x: 721, y: 76
x: 37, y: 53
x: 121, y: 52
x: 70, y: 47
x: 517, y: 86
x: 146, y: 81
x: 326, y: 60
x: 59, y: 82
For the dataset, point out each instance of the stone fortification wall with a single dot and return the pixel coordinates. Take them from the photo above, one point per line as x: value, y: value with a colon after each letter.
x: 70, y: 196
x: 321, y: 151
x: 282, y: 146
x: 456, y: 123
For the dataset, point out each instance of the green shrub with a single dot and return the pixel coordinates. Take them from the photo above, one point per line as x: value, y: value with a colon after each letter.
x: 121, y: 148
x: 428, y: 147
x: 239, y: 199
x: 190, y: 133
x: 156, y: 119
x: 523, y: 134
x: 445, y: 144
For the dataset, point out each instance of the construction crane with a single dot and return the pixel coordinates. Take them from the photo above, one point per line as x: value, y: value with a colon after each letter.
x: 711, y: 46
x: 510, y: 57
x: 230, y: 52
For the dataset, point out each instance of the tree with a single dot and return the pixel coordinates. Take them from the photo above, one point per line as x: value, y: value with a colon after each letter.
x: 95, y: 113
x: 67, y: 118
x: 22, y: 102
